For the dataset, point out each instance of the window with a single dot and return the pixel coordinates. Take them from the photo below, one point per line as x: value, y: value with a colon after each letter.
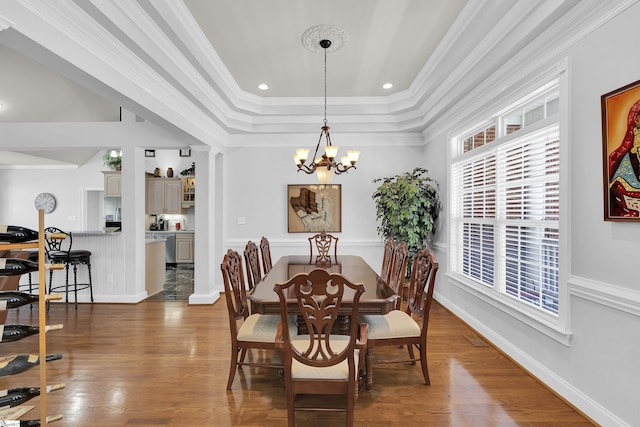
x: 505, y: 203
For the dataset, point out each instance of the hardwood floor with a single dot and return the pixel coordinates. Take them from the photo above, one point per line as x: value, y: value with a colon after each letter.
x: 166, y: 363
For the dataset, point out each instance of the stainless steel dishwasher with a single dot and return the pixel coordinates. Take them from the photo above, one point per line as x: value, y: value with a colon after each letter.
x: 171, y: 248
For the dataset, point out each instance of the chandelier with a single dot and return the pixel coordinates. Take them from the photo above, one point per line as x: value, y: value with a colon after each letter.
x: 325, y: 166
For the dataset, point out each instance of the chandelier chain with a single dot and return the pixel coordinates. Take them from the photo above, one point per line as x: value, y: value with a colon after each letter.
x: 325, y: 87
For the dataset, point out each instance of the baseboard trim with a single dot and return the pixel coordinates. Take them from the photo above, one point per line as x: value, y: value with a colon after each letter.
x: 589, y: 408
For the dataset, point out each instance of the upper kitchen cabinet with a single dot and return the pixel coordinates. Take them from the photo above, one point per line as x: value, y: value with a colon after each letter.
x: 164, y: 196
x: 188, y: 191
x: 112, y: 184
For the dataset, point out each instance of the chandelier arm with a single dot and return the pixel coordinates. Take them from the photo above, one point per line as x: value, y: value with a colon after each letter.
x: 307, y: 169
x: 340, y: 168
x: 315, y: 154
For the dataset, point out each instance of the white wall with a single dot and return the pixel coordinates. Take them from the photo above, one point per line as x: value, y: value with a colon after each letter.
x: 598, y: 371
x: 20, y: 187
x: 256, y: 188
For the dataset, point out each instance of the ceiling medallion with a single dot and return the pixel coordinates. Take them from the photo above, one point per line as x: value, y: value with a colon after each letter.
x: 312, y: 37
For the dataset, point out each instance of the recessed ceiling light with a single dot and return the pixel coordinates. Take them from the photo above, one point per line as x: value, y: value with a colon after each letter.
x: 263, y: 86
x: 387, y: 86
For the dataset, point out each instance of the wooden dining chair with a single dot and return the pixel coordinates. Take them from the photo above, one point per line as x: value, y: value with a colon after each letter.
x: 248, y: 331
x: 387, y: 258
x: 398, y: 269
x: 323, y: 243
x: 252, y: 263
x: 321, y: 363
x: 398, y: 328
x: 265, y: 250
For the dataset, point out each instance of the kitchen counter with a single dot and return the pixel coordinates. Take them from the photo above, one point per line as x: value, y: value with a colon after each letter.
x: 169, y: 231
x: 95, y: 233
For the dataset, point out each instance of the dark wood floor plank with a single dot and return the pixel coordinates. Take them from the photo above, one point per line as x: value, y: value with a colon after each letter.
x: 166, y: 364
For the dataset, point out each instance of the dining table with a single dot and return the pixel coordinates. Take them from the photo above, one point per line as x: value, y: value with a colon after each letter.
x: 378, y: 297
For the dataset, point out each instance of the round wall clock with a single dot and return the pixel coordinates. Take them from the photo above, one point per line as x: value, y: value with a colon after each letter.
x: 46, y: 202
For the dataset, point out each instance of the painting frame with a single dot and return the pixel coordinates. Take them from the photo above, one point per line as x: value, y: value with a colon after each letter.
x: 313, y: 208
x: 185, y: 152
x: 621, y: 153
x: 149, y: 153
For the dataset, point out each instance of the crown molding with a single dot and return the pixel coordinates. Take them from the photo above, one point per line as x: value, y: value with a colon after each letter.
x: 532, y: 63
x: 5, y: 23
x: 155, y: 55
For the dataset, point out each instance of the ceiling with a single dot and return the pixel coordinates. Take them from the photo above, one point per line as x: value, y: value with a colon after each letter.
x: 258, y: 42
x: 194, y: 66
x: 388, y: 41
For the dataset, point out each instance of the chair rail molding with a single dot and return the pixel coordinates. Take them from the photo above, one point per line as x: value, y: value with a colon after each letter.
x: 613, y: 296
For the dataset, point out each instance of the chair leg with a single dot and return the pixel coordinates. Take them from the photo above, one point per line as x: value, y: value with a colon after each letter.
x: 30, y: 291
x: 75, y: 284
x: 291, y: 411
x: 411, y: 355
x: 351, y: 403
x: 369, y: 366
x: 423, y: 362
x: 90, y: 282
x: 66, y: 286
x: 50, y: 286
x: 233, y: 366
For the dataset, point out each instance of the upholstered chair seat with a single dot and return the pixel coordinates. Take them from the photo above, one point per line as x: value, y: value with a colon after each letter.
x: 395, y: 324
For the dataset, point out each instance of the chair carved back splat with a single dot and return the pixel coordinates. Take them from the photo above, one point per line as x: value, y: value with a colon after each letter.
x: 252, y: 261
x: 398, y: 268
x: 323, y: 243
x: 234, y: 286
x: 265, y: 250
x: 387, y: 258
x: 423, y: 279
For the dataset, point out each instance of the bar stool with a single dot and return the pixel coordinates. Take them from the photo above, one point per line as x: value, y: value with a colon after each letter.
x: 28, y: 287
x: 60, y: 252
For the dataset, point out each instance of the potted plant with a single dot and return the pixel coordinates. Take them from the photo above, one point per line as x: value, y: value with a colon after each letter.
x: 407, y: 206
x: 111, y: 161
x: 190, y: 171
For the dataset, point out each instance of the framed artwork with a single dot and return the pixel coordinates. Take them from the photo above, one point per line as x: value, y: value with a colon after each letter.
x: 185, y: 152
x: 149, y: 153
x: 621, y: 153
x: 314, y: 208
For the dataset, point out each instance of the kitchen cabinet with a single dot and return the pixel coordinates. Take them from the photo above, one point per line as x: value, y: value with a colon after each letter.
x: 164, y: 196
x: 184, y: 248
x: 112, y: 184
x: 188, y: 191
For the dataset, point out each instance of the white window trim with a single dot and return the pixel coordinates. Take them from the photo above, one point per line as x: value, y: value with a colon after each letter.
x: 556, y: 327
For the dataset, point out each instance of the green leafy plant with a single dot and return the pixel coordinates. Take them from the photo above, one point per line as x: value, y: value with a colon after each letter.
x: 407, y: 207
x: 189, y: 171
x: 113, y: 163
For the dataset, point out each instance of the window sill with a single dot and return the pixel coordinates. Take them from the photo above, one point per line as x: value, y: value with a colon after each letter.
x: 546, y: 324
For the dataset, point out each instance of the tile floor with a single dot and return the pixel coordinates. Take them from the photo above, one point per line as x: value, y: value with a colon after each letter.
x: 178, y: 285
